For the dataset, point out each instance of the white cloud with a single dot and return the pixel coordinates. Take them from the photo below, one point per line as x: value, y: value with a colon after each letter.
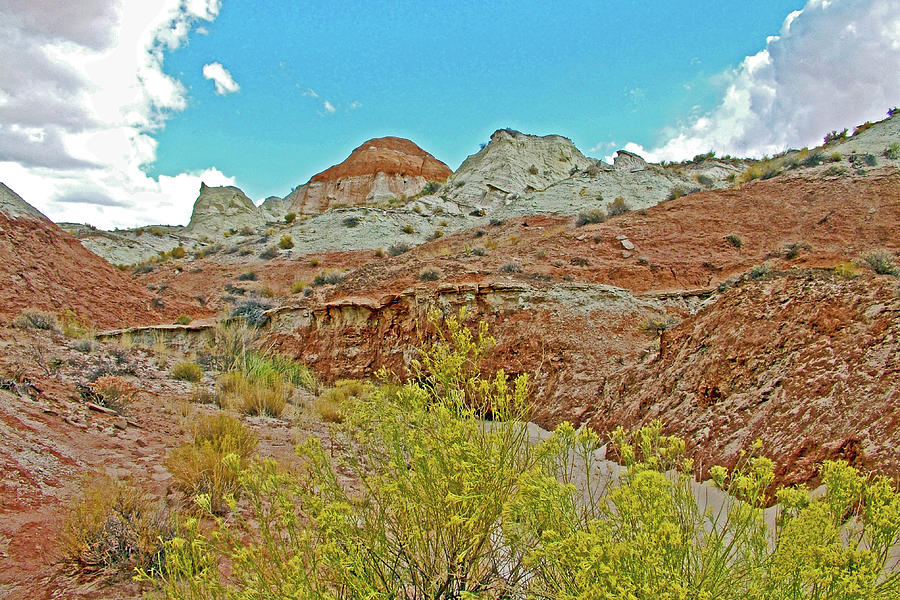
x: 833, y: 65
x: 225, y: 83
x: 329, y: 107
x: 355, y: 104
x: 309, y: 92
x: 83, y: 94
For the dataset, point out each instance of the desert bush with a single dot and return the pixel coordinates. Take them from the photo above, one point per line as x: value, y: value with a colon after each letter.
x: 834, y: 171
x: 177, y: 252
x: 793, y: 250
x: 430, y: 274
x: 511, y: 267
x: 211, y: 464
x: 331, y: 405
x: 380, y: 253
x: 734, y: 240
x: 74, y: 326
x: 893, y: 151
x: 881, y: 262
x: 298, y: 286
x: 187, y: 370
x: 398, y: 249
x: 407, y: 229
x: 271, y: 368
x: 37, y: 319
x: 290, y: 217
x: 351, y: 221
x: 248, y: 276
x: 449, y: 506
x: 269, y: 253
x: 758, y: 272
x: 496, y: 222
x: 533, y: 170
x: 436, y: 235
x: 329, y: 277
x: 617, y: 207
x: 579, y: 261
x: 593, y: 215
x: 114, y: 392
x: 114, y: 527
x: 835, y: 136
x: 479, y: 251
x: 252, y: 311
x: 251, y: 396
x: 183, y: 320
x: 286, y: 242
x: 431, y: 187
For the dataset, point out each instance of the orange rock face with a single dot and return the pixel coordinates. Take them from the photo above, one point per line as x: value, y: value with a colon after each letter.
x: 379, y: 169
x: 388, y: 155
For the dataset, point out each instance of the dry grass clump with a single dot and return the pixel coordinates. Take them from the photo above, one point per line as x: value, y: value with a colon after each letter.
x: 211, y: 463
x: 115, y: 392
x: 881, y: 262
x: 187, y: 370
x: 253, y: 396
x: 114, y: 527
x: 334, y: 403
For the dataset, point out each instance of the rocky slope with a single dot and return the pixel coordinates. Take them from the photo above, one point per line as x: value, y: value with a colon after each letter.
x: 46, y: 268
x: 223, y: 209
x: 379, y: 170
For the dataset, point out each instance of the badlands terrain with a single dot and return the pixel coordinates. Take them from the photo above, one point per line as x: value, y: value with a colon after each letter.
x: 733, y: 300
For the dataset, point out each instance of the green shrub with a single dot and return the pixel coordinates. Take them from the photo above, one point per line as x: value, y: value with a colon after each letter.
x: 290, y: 217
x: 407, y: 229
x: 734, y: 240
x: 183, y: 320
x: 893, y: 151
x: 248, y: 276
x: 351, y: 221
x: 593, y: 215
x: 187, y: 370
x: 511, y: 267
x: 533, y: 170
x: 252, y: 311
x: 430, y: 188
x: 177, y: 252
x: 298, y: 286
x: 835, y: 136
x: 286, y: 242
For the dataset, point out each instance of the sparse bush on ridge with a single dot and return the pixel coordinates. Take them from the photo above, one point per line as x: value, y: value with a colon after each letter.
x: 430, y: 274
x: 269, y: 253
x: 329, y: 277
x: 590, y: 216
x: 290, y: 217
x: 252, y: 311
x: 248, y: 276
x: 183, y: 320
x: 37, y: 319
x: 114, y: 392
x: 451, y: 507
x: 286, y: 242
x: 881, y: 262
x: 617, y: 207
x: 398, y: 249
x: 511, y: 267
x: 351, y: 221
x: 734, y: 240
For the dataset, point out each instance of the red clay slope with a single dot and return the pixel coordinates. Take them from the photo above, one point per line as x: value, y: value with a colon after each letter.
x: 43, y: 267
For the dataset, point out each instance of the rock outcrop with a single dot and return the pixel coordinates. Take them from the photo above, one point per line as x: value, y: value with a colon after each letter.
x: 44, y: 267
x: 221, y: 209
x: 379, y: 170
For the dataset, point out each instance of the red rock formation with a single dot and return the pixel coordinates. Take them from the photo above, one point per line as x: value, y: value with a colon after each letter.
x: 380, y: 168
x: 43, y: 267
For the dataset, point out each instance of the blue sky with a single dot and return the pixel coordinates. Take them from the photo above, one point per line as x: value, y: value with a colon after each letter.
x: 445, y: 75
x: 116, y: 110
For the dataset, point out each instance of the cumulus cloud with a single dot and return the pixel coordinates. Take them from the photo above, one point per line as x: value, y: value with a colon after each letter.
x: 329, y: 107
x: 833, y: 65
x: 225, y: 83
x: 82, y: 93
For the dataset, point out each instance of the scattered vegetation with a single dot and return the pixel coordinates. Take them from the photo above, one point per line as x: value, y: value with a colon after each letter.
x: 438, y: 234
x: 177, y: 252
x: 351, y: 221
x: 252, y: 311
x: 286, y: 242
x: 893, y: 151
x: 290, y: 217
x: 655, y: 326
x: 835, y: 136
x: 448, y: 507
x: 298, y: 286
x: 676, y: 192
x: 580, y: 261
x: 533, y: 170
x: 209, y: 467
x: 494, y: 222
x: 734, y: 240
x: 249, y: 395
x: 511, y: 267
x: 593, y: 215
x: 183, y: 320
x: 408, y: 229
x: 187, y: 370
x: 431, y: 187
x: 479, y: 251
x: 846, y: 270
x: 793, y: 250
x: 248, y: 276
